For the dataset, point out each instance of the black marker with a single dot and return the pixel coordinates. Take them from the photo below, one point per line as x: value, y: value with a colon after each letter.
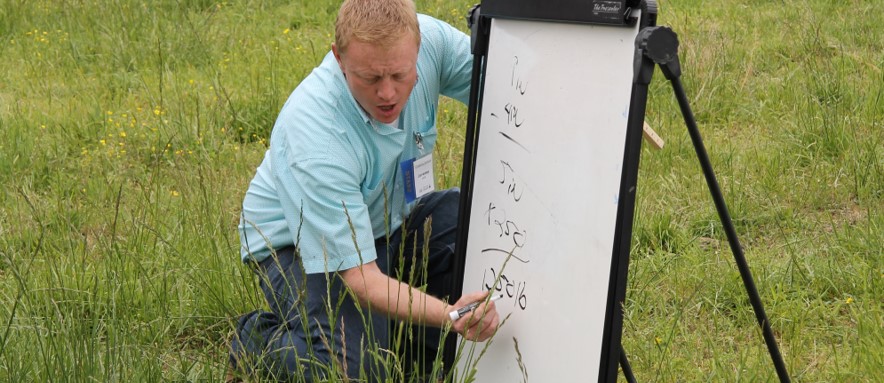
x: 455, y: 315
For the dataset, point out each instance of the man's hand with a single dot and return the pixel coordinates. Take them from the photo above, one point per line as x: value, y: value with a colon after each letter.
x: 480, y: 324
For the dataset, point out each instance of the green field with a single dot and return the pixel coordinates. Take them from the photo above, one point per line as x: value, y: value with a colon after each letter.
x: 129, y: 131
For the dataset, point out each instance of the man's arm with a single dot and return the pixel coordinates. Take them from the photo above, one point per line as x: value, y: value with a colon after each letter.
x: 404, y: 302
x: 455, y: 60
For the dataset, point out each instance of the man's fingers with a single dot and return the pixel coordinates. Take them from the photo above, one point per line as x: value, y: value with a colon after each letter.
x: 481, y: 325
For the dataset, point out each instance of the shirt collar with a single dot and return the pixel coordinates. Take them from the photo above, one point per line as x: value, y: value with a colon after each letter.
x: 365, y: 116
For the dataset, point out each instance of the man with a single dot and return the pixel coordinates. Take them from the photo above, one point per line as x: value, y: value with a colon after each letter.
x: 343, y: 204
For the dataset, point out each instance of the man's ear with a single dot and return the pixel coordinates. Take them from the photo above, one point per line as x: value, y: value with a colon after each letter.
x: 337, y: 54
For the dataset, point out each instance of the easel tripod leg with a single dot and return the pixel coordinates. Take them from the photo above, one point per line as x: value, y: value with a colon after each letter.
x: 736, y: 249
x: 627, y: 369
x: 660, y: 44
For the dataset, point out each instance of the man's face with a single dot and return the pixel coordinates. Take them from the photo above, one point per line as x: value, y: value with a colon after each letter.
x: 380, y: 77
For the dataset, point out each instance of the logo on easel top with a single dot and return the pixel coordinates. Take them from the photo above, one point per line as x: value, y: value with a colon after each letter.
x: 607, y: 9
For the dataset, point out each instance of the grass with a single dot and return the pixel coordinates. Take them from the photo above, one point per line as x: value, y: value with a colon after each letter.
x: 129, y: 132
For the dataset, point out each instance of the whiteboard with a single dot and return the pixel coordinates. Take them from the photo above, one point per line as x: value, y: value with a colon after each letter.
x: 544, y: 197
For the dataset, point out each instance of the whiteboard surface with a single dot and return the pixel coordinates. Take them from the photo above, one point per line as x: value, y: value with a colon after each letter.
x: 545, y: 193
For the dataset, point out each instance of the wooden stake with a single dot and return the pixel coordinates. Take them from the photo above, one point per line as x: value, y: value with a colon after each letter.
x: 652, y: 137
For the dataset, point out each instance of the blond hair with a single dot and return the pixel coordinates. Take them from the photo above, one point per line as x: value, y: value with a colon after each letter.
x: 377, y: 22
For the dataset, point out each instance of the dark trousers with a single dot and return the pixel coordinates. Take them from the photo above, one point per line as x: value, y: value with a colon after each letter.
x: 315, y: 329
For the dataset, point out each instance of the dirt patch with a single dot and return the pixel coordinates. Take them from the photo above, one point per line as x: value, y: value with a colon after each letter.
x: 850, y: 215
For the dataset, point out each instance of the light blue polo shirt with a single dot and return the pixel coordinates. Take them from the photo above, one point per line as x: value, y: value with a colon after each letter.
x: 331, y: 180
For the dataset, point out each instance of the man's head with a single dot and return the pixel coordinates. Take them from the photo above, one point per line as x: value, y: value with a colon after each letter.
x: 376, y: 45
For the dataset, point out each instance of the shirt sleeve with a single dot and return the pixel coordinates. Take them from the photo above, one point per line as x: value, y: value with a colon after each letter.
x: 452, y: 48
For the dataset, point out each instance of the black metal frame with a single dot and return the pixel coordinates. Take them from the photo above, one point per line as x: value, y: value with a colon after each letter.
x: 575, y: 11
x: 654, y: 46
x: 609, y: 12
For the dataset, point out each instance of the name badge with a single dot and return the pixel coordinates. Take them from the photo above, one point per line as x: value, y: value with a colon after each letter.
x: 417, y: 175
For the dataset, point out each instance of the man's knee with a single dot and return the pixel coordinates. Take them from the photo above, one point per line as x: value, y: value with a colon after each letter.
x: 450, y: 197
x: 443, y: 209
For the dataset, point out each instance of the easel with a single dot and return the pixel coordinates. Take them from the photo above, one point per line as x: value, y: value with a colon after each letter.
x: 659, y: 45
x: 653, y: 46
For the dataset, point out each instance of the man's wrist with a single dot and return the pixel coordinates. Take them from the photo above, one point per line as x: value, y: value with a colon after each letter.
x: 445, y: 316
